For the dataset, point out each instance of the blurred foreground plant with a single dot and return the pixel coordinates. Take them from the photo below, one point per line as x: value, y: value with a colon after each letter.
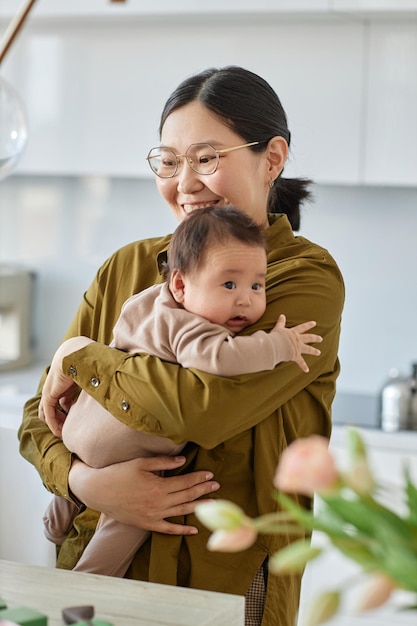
x: 350, y: 513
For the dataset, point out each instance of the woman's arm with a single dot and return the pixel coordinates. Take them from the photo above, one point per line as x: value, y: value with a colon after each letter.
x: 133, y: 493
x: 162, y: 398
x: 130, y: 492
x: 58, y: 391
x: 166, y: 399
x: 38, y: 445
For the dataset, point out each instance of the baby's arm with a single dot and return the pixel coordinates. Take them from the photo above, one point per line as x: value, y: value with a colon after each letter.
x: 58, y: 390
x: 210, y: 348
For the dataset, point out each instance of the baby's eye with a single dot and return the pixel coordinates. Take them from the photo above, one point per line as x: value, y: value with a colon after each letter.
x: 256, y: 286
x: 230, y: 285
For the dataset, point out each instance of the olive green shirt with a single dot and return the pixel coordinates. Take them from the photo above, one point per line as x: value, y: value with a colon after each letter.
x: 237, y: 427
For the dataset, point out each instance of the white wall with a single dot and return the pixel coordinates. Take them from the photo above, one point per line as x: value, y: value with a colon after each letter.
x: 63, y: 228
x: 372, y: 233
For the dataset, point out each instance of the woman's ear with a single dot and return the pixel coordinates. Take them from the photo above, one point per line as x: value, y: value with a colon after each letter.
x: 276, y: 154
x: 176, y: 286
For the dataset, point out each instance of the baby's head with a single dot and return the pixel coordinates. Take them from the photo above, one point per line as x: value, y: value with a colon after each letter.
x: 217, y: 267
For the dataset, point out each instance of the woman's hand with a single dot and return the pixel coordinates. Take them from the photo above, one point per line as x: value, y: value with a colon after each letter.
x: 58, y: 390
x: 132, y: 493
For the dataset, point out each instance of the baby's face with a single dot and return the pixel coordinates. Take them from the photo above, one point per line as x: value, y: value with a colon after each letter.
x: 229, y: 287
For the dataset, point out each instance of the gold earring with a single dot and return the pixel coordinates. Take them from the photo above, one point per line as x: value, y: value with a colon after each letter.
x: 271, y: 183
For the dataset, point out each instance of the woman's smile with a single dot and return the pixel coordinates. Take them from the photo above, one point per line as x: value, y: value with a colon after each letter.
x: 189, y: 207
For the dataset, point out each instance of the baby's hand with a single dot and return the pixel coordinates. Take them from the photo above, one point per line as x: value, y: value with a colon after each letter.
x: 298, y: 340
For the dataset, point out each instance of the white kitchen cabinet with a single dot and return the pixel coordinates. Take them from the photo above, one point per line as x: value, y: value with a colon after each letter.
x: 165, y: 8
x: 94, y: 87
x: 147, y: 8
x: 387, y: 455
x: 373, y: 8
x: 94, y: 91
x: 390, y: 140
x: 23, y: 498
x: 23, y: 501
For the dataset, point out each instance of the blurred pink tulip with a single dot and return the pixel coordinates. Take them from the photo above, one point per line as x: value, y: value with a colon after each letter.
x: 307, y: 466
x: 376, y: 592
x: 232, y: 540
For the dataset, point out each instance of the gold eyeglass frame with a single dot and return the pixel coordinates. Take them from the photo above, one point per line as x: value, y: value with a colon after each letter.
x: 190, y: 161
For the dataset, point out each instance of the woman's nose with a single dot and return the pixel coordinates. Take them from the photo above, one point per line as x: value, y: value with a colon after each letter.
x: 188, y: 180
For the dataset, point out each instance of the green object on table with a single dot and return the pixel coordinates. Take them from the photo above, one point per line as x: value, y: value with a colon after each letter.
x: 24, y: 616
x: 3, y: 604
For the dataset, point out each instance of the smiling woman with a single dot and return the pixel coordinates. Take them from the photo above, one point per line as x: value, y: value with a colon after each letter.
x: 239, y: 426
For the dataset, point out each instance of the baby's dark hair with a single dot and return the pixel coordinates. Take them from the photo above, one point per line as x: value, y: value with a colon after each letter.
x: 206, y: 227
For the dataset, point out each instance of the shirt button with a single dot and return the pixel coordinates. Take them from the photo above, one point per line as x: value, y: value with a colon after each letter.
x: 73, y: 370
x: 125, y: 405
x: 95, y: 381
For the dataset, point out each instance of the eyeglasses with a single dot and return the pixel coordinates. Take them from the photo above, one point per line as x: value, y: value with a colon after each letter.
x: 201, y: 157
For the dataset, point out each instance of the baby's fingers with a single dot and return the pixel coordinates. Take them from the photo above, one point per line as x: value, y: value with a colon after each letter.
x: 301, y: 364
x: 306, y: 349
x: 310, y: 338
x: 304, y: 327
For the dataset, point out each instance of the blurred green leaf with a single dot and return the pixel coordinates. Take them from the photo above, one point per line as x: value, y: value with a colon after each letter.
x: 322, y: 608
x: 400, y: 563
x: 359, y: 551
x: 356, y: 448
x: 293, y: 558
x: 411, y: 492
x: 300, y: 515
x: 370, y: 518
x: 278, y: 522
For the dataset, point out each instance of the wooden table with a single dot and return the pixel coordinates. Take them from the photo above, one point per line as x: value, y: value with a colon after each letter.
x: 121, y: 602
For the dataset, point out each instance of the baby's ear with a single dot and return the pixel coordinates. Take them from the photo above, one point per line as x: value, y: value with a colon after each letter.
x: 176, y: 286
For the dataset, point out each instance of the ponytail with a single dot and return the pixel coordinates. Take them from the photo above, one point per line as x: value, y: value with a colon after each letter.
x: 287, y: 195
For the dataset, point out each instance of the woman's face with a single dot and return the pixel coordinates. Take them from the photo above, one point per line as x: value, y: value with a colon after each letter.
x: 241, y: 179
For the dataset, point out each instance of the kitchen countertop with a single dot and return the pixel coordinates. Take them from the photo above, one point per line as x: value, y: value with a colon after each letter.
x: 403, y: 441
x: 121, y: 602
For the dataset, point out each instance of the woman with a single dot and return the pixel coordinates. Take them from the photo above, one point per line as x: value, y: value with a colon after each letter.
x: 225, y: 140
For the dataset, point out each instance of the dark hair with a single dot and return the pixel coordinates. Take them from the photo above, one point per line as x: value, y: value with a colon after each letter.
x: 249, y: 107
x: 206, y: 227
